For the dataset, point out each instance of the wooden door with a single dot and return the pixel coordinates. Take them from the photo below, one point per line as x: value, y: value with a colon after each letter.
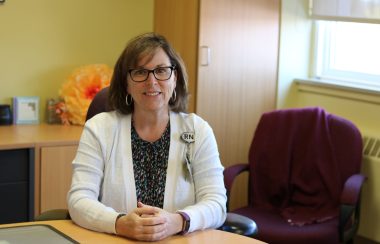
x: 56, y: 173
x: 177, y: 20
x: 237, y: 73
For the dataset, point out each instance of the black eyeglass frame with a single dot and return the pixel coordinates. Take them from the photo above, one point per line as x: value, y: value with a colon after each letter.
x: 152, y: 71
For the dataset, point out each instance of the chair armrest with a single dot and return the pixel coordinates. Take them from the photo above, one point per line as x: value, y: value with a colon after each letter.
x: 239, y: 224
x: 352, y: 188
x: 54, y: 214
x: 230, y: 174
x: 349, y: 214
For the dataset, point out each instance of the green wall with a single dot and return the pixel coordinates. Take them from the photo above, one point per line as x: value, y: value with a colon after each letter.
x: 42, y: 41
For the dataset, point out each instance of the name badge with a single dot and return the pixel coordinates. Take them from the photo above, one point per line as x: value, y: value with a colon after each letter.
x: 188, y: 137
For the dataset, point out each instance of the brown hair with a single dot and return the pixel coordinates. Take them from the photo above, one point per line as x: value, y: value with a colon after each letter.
x: 140, y: 46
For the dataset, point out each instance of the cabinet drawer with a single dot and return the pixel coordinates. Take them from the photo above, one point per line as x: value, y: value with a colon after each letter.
x: 14, y: 165
x: 16, y: 185
x: 56, y: 175
x: 15, y: 202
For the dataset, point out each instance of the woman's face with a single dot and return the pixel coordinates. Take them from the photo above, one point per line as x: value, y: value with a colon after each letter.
x: 152, y: 95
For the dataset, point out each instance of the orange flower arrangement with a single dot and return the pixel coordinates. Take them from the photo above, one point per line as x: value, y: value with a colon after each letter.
x: 78, y: 91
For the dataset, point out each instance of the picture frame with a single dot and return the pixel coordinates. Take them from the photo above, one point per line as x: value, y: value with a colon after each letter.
x: 26, y: 110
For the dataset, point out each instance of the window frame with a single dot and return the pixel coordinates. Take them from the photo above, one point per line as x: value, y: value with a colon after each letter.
x: 321, y: 68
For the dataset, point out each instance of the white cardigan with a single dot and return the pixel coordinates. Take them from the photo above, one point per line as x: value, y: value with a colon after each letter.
x: 103, y: 183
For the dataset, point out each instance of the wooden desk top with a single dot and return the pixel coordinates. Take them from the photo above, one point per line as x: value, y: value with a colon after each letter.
x: 86, y: 236
x: 25, y: 136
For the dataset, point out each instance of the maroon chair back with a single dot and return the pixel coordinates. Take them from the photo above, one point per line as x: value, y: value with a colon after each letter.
x: 99, y: 104
x: 299, y: 163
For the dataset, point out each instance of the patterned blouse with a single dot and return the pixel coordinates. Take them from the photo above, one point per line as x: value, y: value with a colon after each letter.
x: 150, y: 161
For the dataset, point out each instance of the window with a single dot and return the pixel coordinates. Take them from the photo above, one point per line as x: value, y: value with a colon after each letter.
x: 348, y: 53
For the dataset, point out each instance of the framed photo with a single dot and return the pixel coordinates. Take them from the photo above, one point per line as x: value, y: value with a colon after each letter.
x: 26, y: 110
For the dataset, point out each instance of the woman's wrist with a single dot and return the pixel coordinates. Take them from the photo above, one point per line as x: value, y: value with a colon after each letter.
x: 179, y: 223
x: 185, y: 223
x: 116, y: 221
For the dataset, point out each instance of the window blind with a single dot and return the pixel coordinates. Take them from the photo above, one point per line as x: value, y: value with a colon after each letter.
x: 346, y: 10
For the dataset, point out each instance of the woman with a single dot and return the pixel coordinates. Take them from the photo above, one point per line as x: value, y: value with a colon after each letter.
x: 147, y: 170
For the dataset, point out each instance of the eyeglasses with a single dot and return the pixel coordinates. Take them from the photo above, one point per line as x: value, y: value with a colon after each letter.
x: 160, y: 73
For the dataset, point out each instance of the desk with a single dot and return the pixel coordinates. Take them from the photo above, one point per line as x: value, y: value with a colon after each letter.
x: 25, y: 136
x: 50, y: 149
x: 86, y: 236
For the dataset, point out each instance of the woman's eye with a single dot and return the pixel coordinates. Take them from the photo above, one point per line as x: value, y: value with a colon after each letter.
x: 140, y: 72
x: 161, y: 70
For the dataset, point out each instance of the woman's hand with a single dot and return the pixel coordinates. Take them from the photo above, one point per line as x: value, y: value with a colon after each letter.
x: 173, y: 221
x: 147, y: 223
x: 143, y: 224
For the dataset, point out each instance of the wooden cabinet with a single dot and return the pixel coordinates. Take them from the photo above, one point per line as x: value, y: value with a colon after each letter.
x: 53, y: 148
x: 56, y: 172
x: 236, y: 46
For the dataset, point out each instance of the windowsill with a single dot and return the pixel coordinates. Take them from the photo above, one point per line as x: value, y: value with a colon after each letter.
x: 338, y: 89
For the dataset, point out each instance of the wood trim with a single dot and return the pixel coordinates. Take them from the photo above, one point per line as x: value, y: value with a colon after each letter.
x: 37, y: 180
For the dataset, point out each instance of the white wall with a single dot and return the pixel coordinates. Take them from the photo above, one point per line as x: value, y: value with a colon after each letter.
x: 294, y: 59
x: 294, y: 53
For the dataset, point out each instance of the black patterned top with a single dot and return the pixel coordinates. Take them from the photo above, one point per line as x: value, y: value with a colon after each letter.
x: 150, y: 161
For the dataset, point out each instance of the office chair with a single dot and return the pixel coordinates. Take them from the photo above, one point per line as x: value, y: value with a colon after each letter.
x: 304, y: 177
x: 234, y: 223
